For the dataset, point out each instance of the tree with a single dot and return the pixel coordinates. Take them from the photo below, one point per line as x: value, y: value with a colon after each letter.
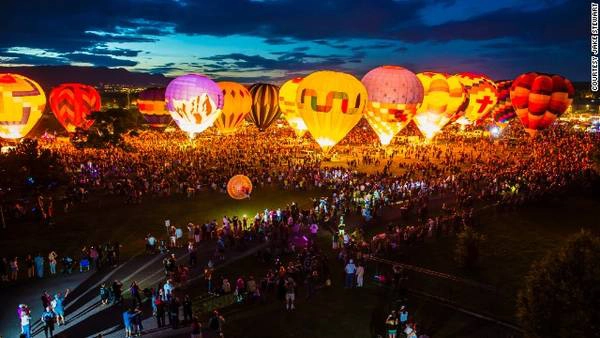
x: 561, y: 295
x: 468, y: 248
x: 108, y: 128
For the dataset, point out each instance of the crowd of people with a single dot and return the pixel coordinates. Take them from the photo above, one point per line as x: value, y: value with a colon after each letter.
x: 360, y: 177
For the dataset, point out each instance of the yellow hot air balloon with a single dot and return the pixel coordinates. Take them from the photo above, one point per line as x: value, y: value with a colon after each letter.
x: 236, y: 106
x: 445, y: 99
x: 395, y: 93
x: 483, y: 95
x: 288, y: 107
x: 22, y: 102
x: 331, y: 104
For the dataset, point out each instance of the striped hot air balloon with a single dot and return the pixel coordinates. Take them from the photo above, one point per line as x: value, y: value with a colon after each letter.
x: 331, y: 104
x: 72, y: 104
x: 503, y: 112
x: 288, y: 107
x: 539, y: 99
x: 265, y: 105
x: 394, y: 93
x: 237, y: 103
x: 151, y: 104
x: 482, y: 95
x: 22, y: 102
x: 444, y: 102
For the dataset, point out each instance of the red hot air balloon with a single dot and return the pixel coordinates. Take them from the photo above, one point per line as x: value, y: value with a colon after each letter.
x: 503, y: 112
x: 72, y: 103
x: 539, y: 99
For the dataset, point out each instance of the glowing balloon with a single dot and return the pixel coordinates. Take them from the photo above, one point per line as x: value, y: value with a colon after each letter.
x: 288, y: 107
x: 72, y: 104
x: 443, y: 102
x: 482, y: 95
x: 194, y: 101
x: 239, y: 187
x: 394, y: 93
x: 503, y: 112
x: 22, y: 102
x: 152, y: 106
x: 265, y: 105
x: 237, y: 105
x: 331, y: 104
x: 539, y: 99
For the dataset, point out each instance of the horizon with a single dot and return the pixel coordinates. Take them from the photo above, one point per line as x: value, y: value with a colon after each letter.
x: 273, y: 40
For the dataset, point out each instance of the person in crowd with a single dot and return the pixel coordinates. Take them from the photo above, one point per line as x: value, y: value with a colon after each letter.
x: 52, y: 260
x: 104, y: 294
x: 391, y: 324
x: 25, y: 319
x: 196, y: 328
x: 187, y: 309
x: 39, y: 265
x: 59, y: 308
x: 350, y: 270
x: 290, y: 294
x: 48, y: 318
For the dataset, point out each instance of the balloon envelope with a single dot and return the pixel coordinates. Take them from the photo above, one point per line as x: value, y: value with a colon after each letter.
x: 482, y: 95
x: 394, y: 95
x: 331, y: 104
x: 236, y: 106
x: 72, y: 104
x: 503, y: 112
x: 265, y: 105
x: 194, y: 102
x: 239, y: 187
x: 22, y: 102
x: 151, y: 104
x: 443, y: 102
x: 288, y: 107
x: 539, y: 99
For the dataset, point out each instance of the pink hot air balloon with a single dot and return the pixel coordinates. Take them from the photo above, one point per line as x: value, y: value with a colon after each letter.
x: 194, y: 101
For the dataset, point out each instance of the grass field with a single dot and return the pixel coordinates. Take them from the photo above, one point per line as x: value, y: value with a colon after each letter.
x: 108, y: 218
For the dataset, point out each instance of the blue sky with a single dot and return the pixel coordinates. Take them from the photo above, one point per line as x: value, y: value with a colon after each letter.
x: 271, y: 40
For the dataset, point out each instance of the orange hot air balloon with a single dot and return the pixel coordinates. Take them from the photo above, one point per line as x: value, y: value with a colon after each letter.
x: 331, y: 104
x: 483, y: 95
x: 444, y: 101
x: 237, y: 102
x: 151, y: 104
x: 239, y: 187
x: 394, y: 93
x: 288, y: 107
x: 72, y: 103
x: 539, y: 99
x: 22, y: 102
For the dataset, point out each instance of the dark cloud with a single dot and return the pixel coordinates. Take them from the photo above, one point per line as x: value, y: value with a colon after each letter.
x: 100, y: 60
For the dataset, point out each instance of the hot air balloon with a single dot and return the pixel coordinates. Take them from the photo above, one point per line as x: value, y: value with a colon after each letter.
x: 22, y: 102
x: 444, y: 101
x: 239, y: 187
x: 331, y: 104
x: 289, y: 109
x: 72, y: 104
x: 265, y: 105
x: 152, y: 106
x: 482, y: 95
x: 236, y: 106
x: 503, y: 111
x: 539, y: 99
x: 194, y: 101
x: 394, y: 94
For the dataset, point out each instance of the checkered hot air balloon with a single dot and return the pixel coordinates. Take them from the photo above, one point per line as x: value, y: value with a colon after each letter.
x: 73, y: 103
x: 503, y: 112
x: 239, y: 187
x: 151, y: 104
x: 331, y: 104
x: 265, y: 105
x: 482, y: 95
x: 539, y: 99
x: 237, y: 104
x: 194, y: 102
x: 288, y: 107
x: 394, y: 94
x: 444, y: 102
x: 22, y: 102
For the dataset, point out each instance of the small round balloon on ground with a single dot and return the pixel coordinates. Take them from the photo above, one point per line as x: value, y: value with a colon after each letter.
x: 239, y: 187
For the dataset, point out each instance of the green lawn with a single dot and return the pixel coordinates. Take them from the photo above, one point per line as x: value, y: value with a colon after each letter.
x: 108, y: 218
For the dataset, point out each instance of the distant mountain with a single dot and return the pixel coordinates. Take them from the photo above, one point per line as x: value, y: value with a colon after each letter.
x: 50, y: 76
